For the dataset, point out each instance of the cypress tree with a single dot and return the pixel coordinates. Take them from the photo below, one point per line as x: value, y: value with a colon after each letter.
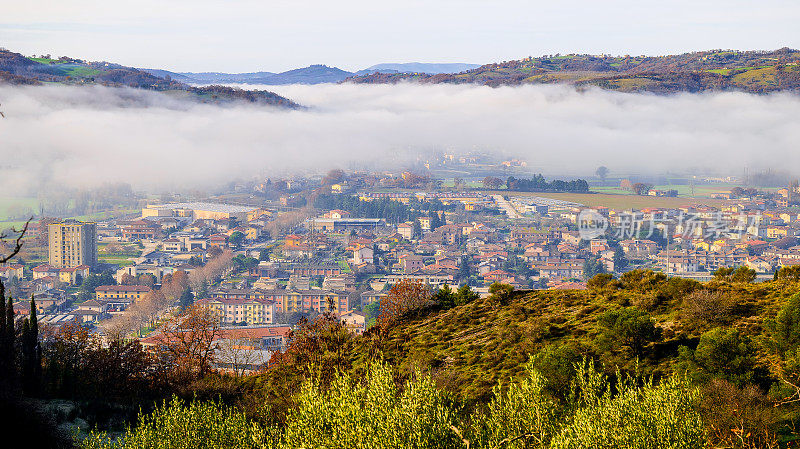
x: 31, y: 363
x: 10, y: 327
x: 4, y: 352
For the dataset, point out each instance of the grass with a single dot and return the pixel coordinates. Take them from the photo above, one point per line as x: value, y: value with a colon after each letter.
x: 122, y: 261
x: 44, y: 60
x: 82, y: 72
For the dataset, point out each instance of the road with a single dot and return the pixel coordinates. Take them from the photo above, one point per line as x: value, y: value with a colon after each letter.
x: 506, y: 206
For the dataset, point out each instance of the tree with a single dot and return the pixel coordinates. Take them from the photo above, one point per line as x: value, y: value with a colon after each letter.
x: 236, y: 239
x: 188, y: 341
x: 444, y: 297
x: 31, y: 353
x: 417, y: 229
x: 784, y: 330
x: 631, y: 327
x: 263, y: 255
x: 490, y: 182
x: 463, y: 269
x: 641, y: 188
x: 499, y: 293
x: 722, y: 353
x: 404, y: 297
x: 186, y: 299
x: 601, y: 172
x: 465, y: 295
x: 434, y: 219
x: 620, y: 261
x: 319, y: 347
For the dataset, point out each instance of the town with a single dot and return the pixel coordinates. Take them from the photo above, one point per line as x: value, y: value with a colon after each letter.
x: 289, y: 250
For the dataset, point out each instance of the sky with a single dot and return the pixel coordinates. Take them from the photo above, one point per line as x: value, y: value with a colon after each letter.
x: 87, y: 136
x: 277, y: 35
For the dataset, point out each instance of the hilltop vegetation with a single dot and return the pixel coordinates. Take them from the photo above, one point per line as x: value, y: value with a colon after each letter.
x: 641, y: 361
x: 17, y: 69
x: 752, y: 71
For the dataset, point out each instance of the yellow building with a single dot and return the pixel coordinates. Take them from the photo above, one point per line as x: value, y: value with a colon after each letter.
x: 131, y: 292
x: 72, y: 244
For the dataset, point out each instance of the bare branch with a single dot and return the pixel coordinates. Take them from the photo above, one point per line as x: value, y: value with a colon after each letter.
x: 17, y: 243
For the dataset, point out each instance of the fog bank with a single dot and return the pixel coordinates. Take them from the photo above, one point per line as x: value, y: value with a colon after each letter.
x: 83, y: 136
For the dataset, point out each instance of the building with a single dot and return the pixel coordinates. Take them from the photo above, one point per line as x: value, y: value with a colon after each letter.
x: 250, y: 311
x: 73, y: 276
x: 131, y: 292
x: 202, y: 211
x: 354, y: 321
x: 346, y: 224
x: 72, y: 244
x: 12, y: 270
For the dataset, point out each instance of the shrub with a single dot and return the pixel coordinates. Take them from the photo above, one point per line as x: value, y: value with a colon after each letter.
x: 197, y: 425
x: 371, y: 414
x: 641, y: 415
x: 738, y: 417
x: 519, y: 416
x: 706, y: 306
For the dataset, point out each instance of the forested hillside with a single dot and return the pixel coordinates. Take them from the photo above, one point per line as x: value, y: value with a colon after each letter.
x: 751, y: 71
x: 641, y: 361
x: 18, y: 69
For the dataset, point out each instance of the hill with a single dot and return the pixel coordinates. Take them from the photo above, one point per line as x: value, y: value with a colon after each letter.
x: 18, y: 69
x: 313, y: 74
x: 470, y: 348
x: 749, y: 71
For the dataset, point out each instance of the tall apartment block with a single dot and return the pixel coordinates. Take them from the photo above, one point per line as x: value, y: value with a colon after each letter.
x: 72, y: 243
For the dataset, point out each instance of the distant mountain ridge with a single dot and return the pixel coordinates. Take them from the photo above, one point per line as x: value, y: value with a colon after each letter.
x: 313, y: 74
x: 422, y: 67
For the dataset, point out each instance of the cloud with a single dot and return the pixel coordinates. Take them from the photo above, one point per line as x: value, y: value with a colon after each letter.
x: 84, y: 136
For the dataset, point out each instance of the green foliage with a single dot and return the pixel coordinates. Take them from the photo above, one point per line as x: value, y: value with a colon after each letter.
x: 374, y: 413
x: 599, y: 281
x: 500, y: 293
x: 722, y: 353
x: 518, y: 416
x: 236, y: 239
x: 641, y: 415
x: 741, y: 274
x: 186, y: 299
x: 784, y: 330
x: 444, y: 297
x: 631, y: 327
x: 557, y: 364
x: 198, y: 425
x: 789, y: 273
x: 465, y: 295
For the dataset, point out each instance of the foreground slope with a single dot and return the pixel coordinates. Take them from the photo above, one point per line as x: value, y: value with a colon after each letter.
x: 472, y: 347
